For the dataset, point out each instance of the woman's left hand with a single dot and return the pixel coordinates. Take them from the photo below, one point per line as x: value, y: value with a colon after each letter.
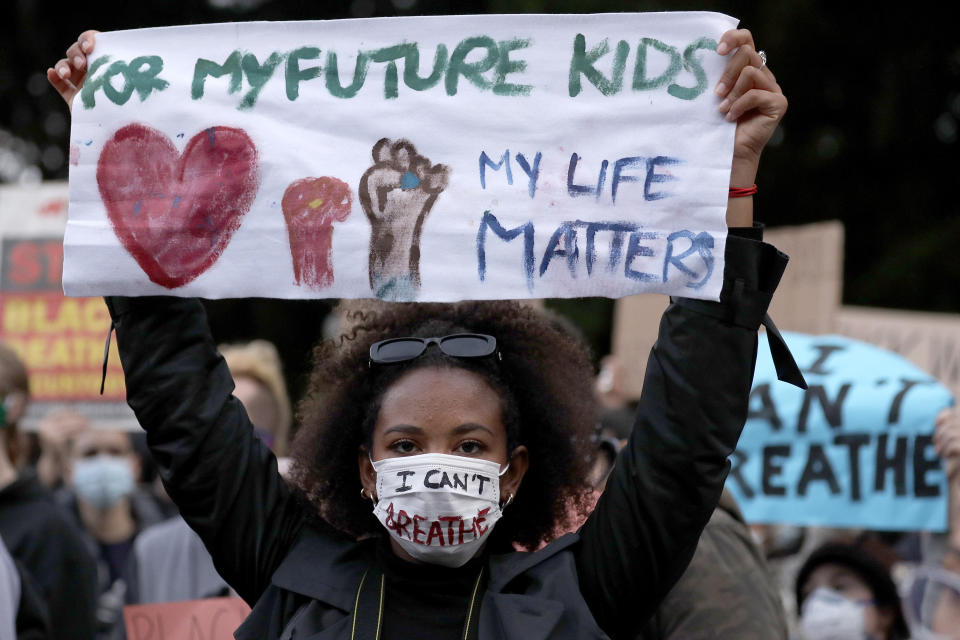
x: 751, y: 97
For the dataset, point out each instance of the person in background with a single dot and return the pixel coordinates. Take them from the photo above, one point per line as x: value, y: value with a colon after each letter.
x: 946, y: 441
x: 726, y: 592
x: 932, y: 595
x: 171, y: 562
x: 37, y: 533
x: 616, y: 409
x: 103, y: 497
x: 54, y: 432
x: 258, y: 375
x: 843, y: 592
x: 9, y: 595
x: 931, y: 602
x: 23, y: 613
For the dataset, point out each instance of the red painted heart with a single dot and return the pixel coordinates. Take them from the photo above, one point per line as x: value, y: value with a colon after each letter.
x: 176, y: 213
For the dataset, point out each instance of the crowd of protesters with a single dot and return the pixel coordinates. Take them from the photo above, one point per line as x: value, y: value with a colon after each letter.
x: 89, y: 526
x: 660, y: 549
x: 86, y: 531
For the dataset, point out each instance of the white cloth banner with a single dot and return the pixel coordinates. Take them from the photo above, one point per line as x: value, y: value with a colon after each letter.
x: 430, y: 158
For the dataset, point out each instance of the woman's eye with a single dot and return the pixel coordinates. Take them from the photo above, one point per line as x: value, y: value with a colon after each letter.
x: 470, y: 447
x: 403, y: 446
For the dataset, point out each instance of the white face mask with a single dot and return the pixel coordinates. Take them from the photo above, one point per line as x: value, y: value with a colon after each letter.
x: 439, y: 508
x: 103, y: 480
x: 827, y: 615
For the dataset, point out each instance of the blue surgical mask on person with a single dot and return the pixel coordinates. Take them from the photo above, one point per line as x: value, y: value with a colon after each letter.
x: 103, y: 481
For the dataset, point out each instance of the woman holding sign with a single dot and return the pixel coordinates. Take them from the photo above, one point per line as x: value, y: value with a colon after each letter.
x: 437, y: 438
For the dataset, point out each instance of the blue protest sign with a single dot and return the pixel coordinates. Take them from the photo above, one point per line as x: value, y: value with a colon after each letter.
x: 853, y: 450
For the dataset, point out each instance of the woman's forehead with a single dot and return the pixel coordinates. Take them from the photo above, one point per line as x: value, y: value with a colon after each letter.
x: 441, y: 398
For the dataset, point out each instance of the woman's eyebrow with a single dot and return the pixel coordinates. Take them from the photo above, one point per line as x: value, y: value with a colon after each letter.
x: 471, y: 426
x: 404, y: 428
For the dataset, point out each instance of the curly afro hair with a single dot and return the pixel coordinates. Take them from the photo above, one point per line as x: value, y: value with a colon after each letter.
x: 543, y: 379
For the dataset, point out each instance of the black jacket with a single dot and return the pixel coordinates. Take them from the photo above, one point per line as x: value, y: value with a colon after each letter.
x: 33, y: 615
x: 605, y: 580
x: 42, y: 538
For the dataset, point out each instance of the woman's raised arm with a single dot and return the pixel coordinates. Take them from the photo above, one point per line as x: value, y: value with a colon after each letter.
x: 223, y: 479
x: 669, y: 476
x: 750, y: 96
x: 68, y: 74
x: 221, y: 476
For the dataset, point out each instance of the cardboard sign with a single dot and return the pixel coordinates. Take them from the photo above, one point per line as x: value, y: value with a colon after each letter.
x: 807, y: 299
x: 636, y: 323
x: 430, y: 158
x: 811, y: 289
x: 207, y: 619
x: 929, y: 340
x: 853, y: 450
x: 60, y: 340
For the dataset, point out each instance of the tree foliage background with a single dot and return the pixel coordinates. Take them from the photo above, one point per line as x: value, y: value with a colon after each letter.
x: 871, y: 137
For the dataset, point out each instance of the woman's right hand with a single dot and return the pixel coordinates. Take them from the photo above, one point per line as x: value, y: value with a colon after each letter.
x: 68, y: 74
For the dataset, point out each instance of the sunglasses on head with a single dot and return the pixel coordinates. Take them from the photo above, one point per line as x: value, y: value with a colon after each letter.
x: 457, y: 345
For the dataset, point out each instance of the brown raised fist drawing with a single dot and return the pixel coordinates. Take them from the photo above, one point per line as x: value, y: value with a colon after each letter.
x: 397, y: 193
x: 310, y: 207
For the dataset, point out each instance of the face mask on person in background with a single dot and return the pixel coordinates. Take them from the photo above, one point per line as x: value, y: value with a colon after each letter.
x: 440, y: 508
x: 827, y: 615
x: 102, y: 480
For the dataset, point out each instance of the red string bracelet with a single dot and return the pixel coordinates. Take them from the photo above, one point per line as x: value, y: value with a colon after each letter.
x: 742, y: 192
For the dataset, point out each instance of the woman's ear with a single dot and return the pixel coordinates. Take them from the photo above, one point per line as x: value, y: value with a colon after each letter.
x: 368, y: 477
x: 510, y: 481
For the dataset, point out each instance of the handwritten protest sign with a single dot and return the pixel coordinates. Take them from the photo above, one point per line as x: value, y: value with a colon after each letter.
x: 809, y: 294
x: 59, y: 339
x: 853, y: 450
x: 929, y: 340
x: 430, y: 158
x: 207, y: 619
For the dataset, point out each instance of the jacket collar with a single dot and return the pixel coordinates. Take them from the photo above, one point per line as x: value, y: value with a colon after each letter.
x: 507, y: 566
x: 513, y: 615
x: 327, y: 567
